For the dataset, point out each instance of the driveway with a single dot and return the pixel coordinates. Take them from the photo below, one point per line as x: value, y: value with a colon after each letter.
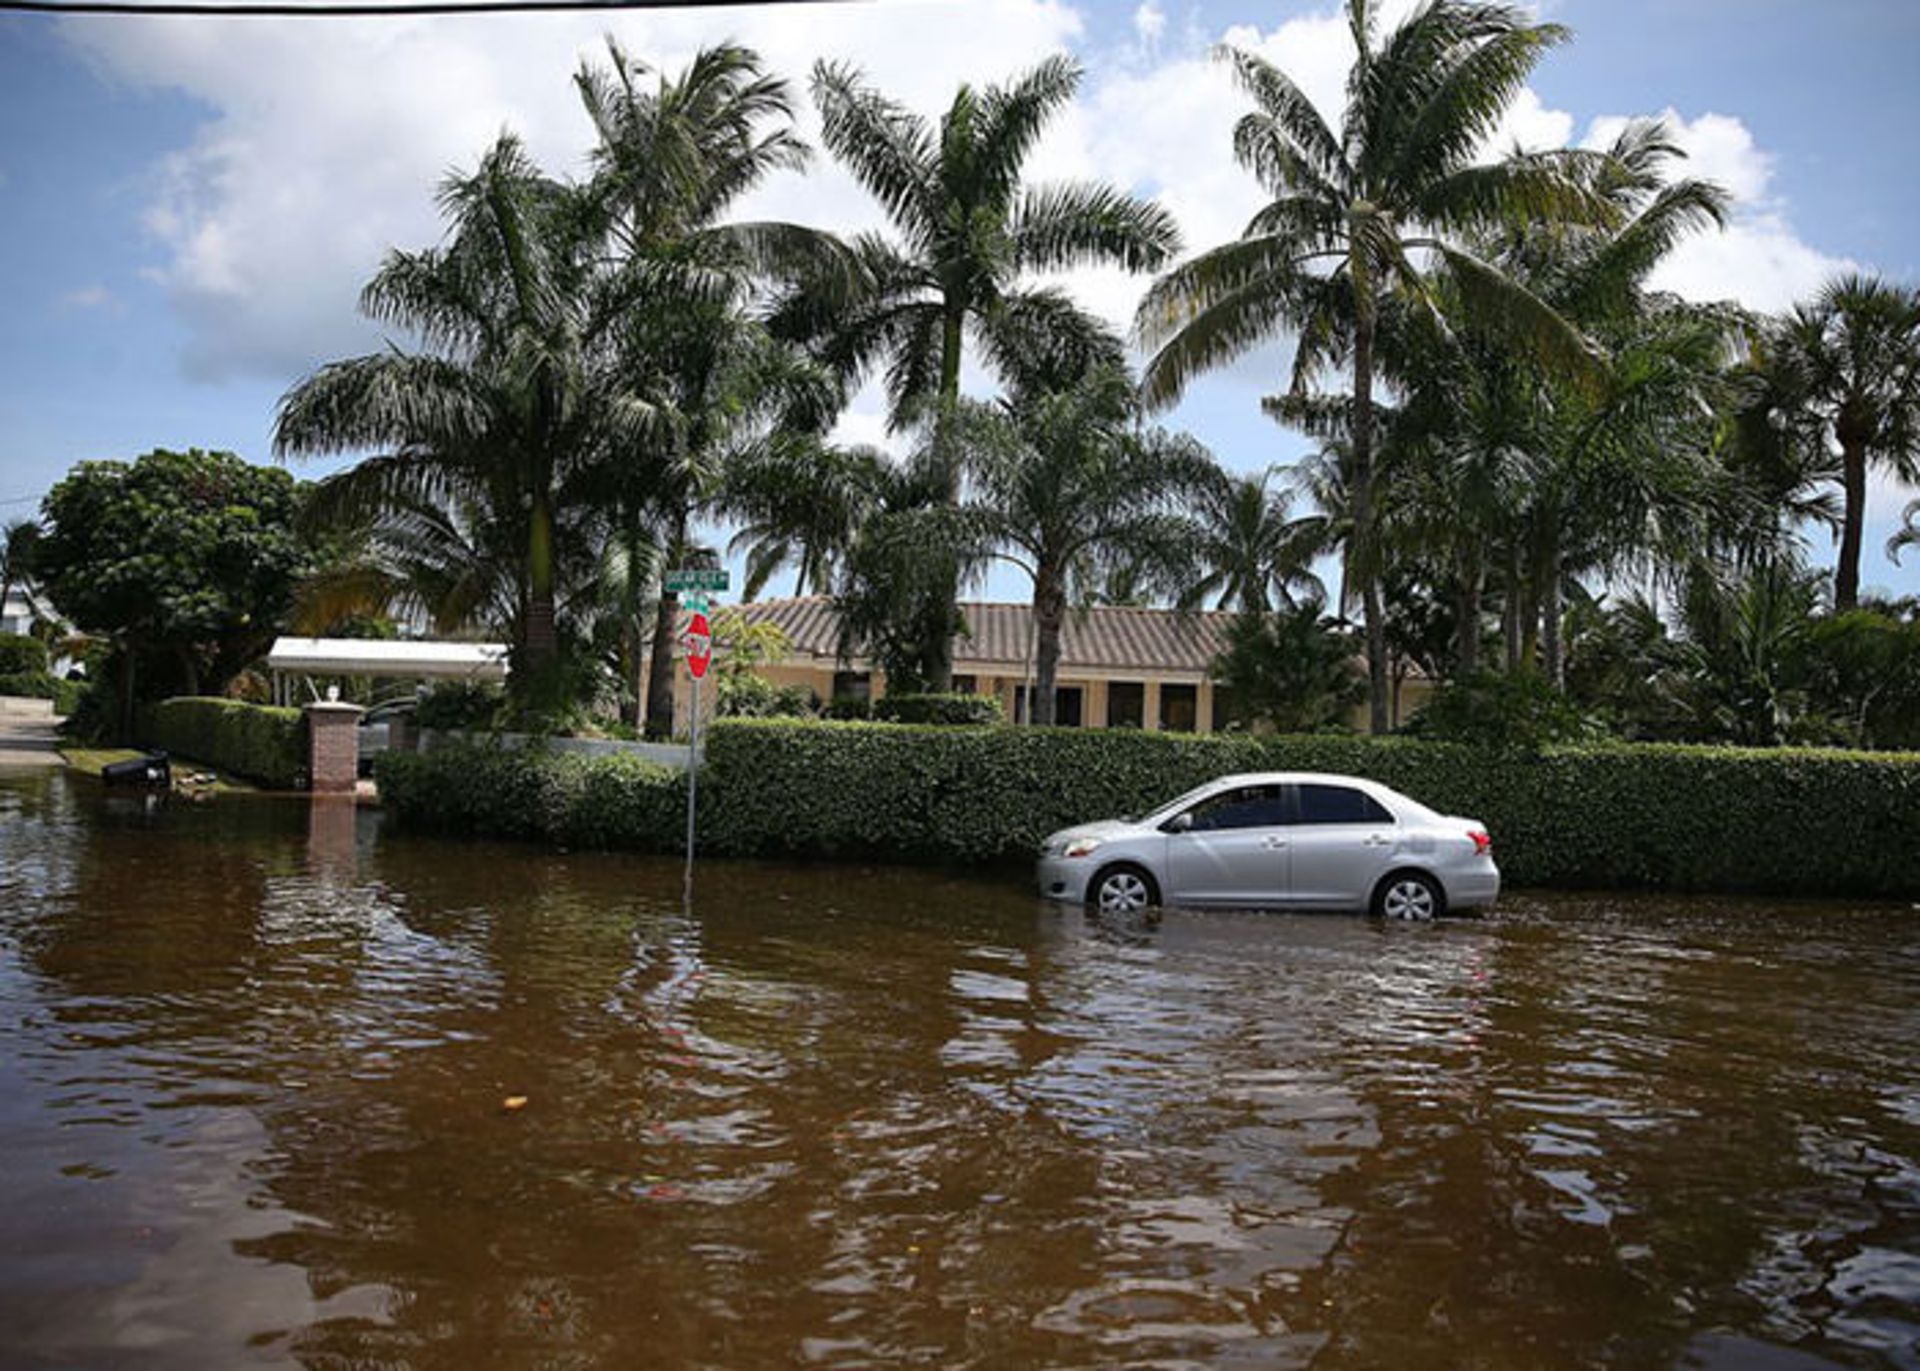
x: 26, y: 736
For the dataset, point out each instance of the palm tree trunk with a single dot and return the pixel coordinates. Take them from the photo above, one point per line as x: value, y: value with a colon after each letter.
x: 538, y: 635
x: 1550, y: 640
x: 1363, y: 530
x: 937, y: 652
x: 1846, y: 570
x: 666, y: 621
x: 1473, y: 581
x: 1049, y: 610
x: 1510, y: 609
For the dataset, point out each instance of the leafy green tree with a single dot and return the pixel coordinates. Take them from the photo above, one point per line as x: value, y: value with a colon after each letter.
x: 1338, y: 250
x: 1851, y: 364
x: 186, y: 561
x: 1291, y: 668
x: 969, y: 230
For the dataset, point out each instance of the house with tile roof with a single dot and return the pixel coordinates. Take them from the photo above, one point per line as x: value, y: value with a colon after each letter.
x: 1120, y: 667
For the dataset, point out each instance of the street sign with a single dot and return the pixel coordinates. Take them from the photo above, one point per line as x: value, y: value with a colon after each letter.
x: 699, y: 646
x: 712, y: 579
x: 695, y: 602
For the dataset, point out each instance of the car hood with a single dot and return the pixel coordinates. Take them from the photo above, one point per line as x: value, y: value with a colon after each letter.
x: 1100, y: 828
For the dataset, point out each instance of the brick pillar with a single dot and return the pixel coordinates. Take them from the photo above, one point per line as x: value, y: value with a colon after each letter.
x: 333, y: 747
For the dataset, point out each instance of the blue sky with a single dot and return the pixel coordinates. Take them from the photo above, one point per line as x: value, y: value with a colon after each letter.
x: 190, y: 206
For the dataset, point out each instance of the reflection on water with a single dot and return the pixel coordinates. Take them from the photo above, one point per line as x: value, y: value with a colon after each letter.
x: 256, y: 1065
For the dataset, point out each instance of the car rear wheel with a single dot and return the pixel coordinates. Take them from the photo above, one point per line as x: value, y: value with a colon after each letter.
x: 1122, y: 890
x: 1410, y: 895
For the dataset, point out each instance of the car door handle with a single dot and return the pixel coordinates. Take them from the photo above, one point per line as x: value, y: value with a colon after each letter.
x: 1276, y: 842
x: 1378, y: 840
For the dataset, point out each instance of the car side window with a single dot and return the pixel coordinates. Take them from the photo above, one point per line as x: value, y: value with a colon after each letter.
x: 1258, y: 806
x: 1340, y: 804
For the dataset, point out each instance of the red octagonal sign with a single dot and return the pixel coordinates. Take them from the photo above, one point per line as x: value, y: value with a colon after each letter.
x: 699, y: 646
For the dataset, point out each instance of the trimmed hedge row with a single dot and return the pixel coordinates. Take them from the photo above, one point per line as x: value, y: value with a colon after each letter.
x: 263, y: 743
x: 41, y: 685
x: 479, y: 788
x: 1698, y: 818
x: 22, y: 656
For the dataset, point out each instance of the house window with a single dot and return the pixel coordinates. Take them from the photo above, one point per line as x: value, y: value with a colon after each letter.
x: 965, y: 685
x: 1066, y: 705
x: 1126, y: 704
x: 1179, y: 708
x: 852, y: 685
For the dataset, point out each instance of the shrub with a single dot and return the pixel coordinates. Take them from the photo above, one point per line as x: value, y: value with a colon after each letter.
x: 260, y: 742
x: 21, y: 656
x: 1493, y: 709
x: 951, y: 711
x: 477, y: 788
x: 847, y: 707
x: 459, y: 705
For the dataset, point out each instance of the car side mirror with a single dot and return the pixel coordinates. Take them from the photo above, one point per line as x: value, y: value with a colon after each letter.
x: 1179, y: 823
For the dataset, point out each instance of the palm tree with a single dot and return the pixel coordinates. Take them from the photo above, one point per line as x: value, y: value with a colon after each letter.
x: 1252, y: 549
x: 512, y: 393
x: 970, y: 229
x: 17, y: 543
x: 1066, y: 485
x: 672, y: 159
x: 1361, y: 218
x: 1854, y: 358
x: 799, y: 502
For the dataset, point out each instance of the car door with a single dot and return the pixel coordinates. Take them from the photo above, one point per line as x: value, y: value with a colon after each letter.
x: 1343, y: 842
x: 1230, y: 849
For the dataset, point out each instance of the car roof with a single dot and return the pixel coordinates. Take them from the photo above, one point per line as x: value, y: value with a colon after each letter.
x: 1294, y: 778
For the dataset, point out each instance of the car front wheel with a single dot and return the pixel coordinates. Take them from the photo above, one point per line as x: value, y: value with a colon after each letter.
x: 1122, y: 890
x: 1409, y: 895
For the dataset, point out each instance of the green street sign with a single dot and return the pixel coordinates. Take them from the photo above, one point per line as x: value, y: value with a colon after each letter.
x: 712, y: 579
x: 694, y: 602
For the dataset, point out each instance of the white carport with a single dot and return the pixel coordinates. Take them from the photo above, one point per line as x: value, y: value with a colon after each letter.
x: 391, y: 658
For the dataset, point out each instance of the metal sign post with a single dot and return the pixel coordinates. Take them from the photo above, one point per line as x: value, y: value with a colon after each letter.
x: 693, y: 586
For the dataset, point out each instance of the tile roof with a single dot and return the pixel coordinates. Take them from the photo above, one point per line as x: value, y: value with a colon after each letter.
x: 1104, y: 637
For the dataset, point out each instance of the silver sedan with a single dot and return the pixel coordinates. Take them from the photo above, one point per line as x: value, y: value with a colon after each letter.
x: 1293, y: 840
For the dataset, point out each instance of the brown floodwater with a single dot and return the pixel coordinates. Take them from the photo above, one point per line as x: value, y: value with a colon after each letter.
x: 256, y: 1062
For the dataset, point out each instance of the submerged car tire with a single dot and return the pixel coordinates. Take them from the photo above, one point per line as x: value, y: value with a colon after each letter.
x: 1122, y: 888
x: 1412, y: 895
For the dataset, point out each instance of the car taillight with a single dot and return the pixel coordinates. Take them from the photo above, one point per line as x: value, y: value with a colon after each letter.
x: 1482, y: 841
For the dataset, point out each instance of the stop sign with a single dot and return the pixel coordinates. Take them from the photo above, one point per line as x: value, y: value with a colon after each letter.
x: 699, y: 646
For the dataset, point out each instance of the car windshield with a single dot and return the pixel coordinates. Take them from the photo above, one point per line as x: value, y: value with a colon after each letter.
x: 1175, y: 803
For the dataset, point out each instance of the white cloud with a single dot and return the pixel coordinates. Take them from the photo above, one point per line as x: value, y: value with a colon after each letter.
x: 327, y: 140
x: 1758, y: 259
x: 1150, y: 23
x: 93, y: 296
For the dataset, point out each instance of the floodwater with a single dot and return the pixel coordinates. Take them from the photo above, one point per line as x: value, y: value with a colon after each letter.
x: 277, y: 1090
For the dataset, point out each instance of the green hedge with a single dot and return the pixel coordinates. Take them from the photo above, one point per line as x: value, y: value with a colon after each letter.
x: 21, y: 656
x: 41, y: 685
x: 951, y: 710
x: 488, y: 789
x: 260, y: 742
x: 1672, y: 817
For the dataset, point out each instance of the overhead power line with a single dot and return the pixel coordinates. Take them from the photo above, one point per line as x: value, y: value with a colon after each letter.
x: 352, y: 10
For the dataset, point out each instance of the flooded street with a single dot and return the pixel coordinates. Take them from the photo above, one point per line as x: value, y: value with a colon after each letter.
x: 277, y: 1090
